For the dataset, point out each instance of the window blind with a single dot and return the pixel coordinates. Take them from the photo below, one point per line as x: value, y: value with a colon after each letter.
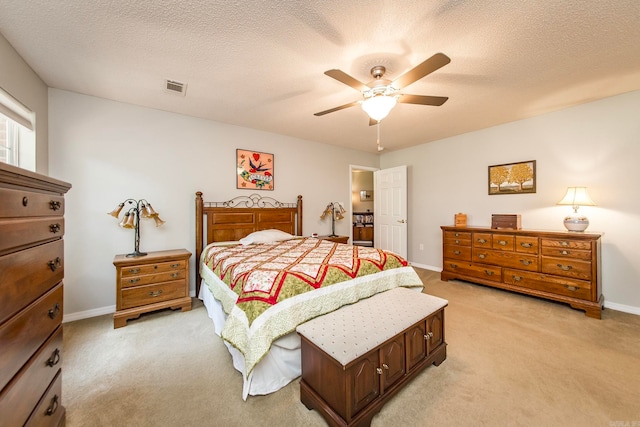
x: 16, y: 111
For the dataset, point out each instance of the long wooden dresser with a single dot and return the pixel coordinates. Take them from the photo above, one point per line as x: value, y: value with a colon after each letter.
x: 560, y: 266
x: 31, y: 297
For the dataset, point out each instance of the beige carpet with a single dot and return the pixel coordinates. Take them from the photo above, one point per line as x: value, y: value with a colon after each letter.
x: 512, y: 360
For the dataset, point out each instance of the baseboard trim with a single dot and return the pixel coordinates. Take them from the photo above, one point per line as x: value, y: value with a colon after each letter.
x: 426, y: 267
x: 71, y: 317
x: 621, y: 307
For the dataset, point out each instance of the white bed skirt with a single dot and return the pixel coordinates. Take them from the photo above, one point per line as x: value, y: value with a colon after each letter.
x: 277, y: 369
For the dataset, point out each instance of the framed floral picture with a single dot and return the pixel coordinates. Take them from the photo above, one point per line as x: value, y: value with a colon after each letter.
x: 254, y: 170
x: 513, y: 178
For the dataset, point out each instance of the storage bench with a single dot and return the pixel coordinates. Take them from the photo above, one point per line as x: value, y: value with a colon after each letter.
x: 356, y: 358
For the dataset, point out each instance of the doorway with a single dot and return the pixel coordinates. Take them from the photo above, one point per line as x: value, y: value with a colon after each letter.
x: 362, y: 206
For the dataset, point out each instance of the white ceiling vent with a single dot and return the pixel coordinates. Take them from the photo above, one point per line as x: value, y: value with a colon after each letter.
x: 173, y: 86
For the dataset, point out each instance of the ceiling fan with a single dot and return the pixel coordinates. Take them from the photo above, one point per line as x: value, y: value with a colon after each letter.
x: 381, y: 95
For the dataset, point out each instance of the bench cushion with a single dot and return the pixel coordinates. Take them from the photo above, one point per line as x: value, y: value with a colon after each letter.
x: 353, y: 330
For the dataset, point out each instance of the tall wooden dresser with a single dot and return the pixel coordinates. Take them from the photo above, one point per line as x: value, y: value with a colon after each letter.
x: 31, y: 272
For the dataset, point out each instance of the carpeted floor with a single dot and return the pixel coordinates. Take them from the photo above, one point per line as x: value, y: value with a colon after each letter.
x: 512, y: 360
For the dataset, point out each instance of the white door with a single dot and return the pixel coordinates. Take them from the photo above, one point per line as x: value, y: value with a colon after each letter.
x: 390, y: 209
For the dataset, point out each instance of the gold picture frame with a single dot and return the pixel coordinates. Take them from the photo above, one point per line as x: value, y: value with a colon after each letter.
x: 512, y: 178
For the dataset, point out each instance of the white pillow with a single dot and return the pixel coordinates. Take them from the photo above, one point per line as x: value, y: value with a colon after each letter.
x: 266, y: 236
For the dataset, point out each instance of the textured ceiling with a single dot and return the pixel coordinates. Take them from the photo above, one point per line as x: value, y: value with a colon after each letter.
x: 260, y: 63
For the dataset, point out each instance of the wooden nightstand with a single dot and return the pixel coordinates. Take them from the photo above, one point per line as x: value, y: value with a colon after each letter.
x: 152, y: 282
x: 337, y: 239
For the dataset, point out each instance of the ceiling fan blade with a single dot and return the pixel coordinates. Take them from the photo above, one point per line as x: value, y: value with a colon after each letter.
x: 342, y: 107
x: 423, y: 99
x: 437, y: 61
x: 345, y: 78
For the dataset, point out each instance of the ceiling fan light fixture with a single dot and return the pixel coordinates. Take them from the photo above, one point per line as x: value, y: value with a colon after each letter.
x: 379, y: 106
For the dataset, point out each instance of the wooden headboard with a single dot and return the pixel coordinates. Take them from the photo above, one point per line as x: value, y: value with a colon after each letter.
x: 236, y: 218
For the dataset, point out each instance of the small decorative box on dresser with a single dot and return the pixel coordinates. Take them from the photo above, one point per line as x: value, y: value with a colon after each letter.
x: 152, y: 282
x: 31, y: 297
x: 560, y: 266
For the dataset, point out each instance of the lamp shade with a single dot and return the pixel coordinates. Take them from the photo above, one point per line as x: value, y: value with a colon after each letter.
x: 576, y: 197
x: 378, y: 107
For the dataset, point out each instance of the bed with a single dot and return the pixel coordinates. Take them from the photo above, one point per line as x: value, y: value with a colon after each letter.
x: 259, y: 278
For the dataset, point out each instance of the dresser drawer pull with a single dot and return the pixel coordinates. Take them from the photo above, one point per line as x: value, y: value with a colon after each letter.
x: 456, y: 252
x: 563, y: 252
x: 174, y: 275
x: 525, y: 262
x: 482, y: 256
x: 134, y: 270
x: 428, y: 336
x: 456, y: 234
x: 453, y: 265
x: 385, y: 366
x: 54, y: 264
x: 526, y: 245
x: 379, y: 371
x: 502, y: 242
x: 54, y: 228
x: 53, y: 312
x: 482, y: 241
x: 53, y: 406
x: 457, y: 242
x: 54, y: 359
x: 564, y: 267
x: 563, y: 243
x: 136, y: 280
x: 155, y: 293
x: 571, y: 288
x: 175, y: 265
x: 517, y: 278
x: 25, y: 201
x: 54, y: 205
x: 488, y: 272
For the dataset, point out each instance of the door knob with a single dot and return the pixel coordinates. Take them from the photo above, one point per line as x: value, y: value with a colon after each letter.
x: 402, y: 221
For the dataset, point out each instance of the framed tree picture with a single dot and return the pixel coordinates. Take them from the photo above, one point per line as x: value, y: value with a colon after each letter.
x: 513, y: 178
x: 254, y: 170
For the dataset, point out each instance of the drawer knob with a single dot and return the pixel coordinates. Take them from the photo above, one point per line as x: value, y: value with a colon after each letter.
x: 175, y: 265
x: 571, y: 288
x: 134, y: 270
x: 385, y: 366
x: 174, y: 275
x: 525, y: 262
x: 453, y: 265
x: 563, y: 252
x: 54, y: 264
x: 564, y: 267
x: 526, y: 245
x: 155, y: 293
x: 457, y: 234
x: 457, y: 242
x: 53, y: 406
x: 517, y: 278
x: 488, y: 272
x: 456, y: 252
x: 379, y: 371
x: 428, y: 336
x: 53, y: 312
x: 54, y: 359
x: 136, y: 280
x: 54, y: 228
x: 482, y: 241
x: 482, y: 256
x: 502, y: 242
x: 564, y: 243
x: 54, y: 205
x: 25, y: 201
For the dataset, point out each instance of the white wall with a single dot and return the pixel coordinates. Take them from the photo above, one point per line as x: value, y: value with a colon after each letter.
x: 594, y: 145
x: 111, y: 151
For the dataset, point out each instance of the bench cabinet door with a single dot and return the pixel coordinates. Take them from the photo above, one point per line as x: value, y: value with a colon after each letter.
x: 435, y: 331
x: 363, y: 379
x: 392, y: 360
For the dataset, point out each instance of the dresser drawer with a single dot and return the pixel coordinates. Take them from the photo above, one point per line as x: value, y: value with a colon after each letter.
x: 482, y: 240
x: 543, y: 282
x: 462, y: 253
x: 24, y: 333
x: 49, y: 411
x: 506, y: 259
x: 141, y: 280
x: 26, y: 275
x: 487, y: 272
x: 566, y: 243
x: 567, y: 267
x: 23, y: 393
x: 527, y: 244
x: 20, y: 203
x: 161, y: 267
x: 503, y: 242
x: 458, y: 241
x: 581, y: 254
x: 149, y: 294
x: 450, y: 236
x: 20, y: 233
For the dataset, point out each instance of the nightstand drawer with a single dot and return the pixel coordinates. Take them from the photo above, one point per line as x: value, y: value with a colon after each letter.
x: 138, y: 270
x: 131, y: 281
x: 149, y: 294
